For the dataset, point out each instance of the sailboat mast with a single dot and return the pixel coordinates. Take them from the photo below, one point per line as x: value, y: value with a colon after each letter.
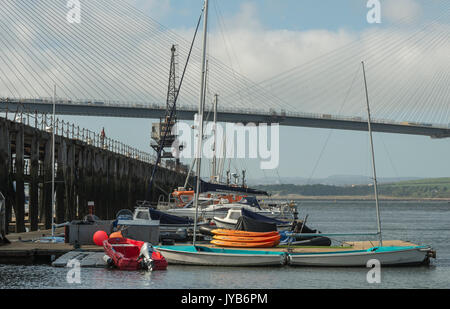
x: 201, y: 112
x: 214, y: 160
x: 375, y: 182
x: 53, y: 162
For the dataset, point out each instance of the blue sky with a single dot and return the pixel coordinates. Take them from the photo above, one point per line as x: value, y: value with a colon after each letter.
x: 346, y: 153
x: 295, y: 15
x: 282, y: 14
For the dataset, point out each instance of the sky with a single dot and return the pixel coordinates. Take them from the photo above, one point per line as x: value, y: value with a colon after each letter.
x: 305, y: 152
x: 262, y: 39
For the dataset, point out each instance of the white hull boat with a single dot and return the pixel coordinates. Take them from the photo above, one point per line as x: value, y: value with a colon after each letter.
x: 223, y: 223
x: 221, y: 211
x: 207, y: 256
x: 231, y: 219
x: 387, y: 256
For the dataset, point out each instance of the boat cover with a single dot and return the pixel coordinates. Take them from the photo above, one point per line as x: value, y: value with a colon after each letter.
x: 258, y: 217
x: 251, y: 225
x: 168, y: 219
x: 299, y: 228
x: 213, y: 187
x: 250, y: 201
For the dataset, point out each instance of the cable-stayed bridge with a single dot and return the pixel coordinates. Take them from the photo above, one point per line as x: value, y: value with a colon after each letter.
x: 121, y: 55
x: 137, y: 110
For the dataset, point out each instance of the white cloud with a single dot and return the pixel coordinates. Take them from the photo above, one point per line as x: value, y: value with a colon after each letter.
x: 401, y: 10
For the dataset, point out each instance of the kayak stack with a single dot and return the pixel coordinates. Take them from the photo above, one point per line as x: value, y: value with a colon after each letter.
x: 242, y: 239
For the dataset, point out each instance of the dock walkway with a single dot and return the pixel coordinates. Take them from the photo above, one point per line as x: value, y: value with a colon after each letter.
x: 23, y: 250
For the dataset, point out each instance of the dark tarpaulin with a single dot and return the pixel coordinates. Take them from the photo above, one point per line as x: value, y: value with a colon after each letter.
x: 299, y: 228
x: 250, y: 201
x: 213, y: 187
x: 169, y: 219
x: 258, y: 217
x: 251, y: 225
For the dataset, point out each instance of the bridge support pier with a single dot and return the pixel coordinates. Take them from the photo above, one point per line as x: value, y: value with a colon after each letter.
x: 19, y: 209
x: 33, y: 211
x: 46, y: 209
x: 5, y: 169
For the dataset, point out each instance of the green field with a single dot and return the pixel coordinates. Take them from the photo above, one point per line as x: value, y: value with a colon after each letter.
x: 425, y: 188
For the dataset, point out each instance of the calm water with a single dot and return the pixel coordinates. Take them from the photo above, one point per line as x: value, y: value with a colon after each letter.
x: 419, y: 222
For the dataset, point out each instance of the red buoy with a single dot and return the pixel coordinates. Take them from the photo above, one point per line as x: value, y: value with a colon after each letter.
x: 100, y: 237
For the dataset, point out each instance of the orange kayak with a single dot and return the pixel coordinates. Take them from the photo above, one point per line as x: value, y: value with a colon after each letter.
x: 247, y: 239
x: 230, y: 244
x: 243, y: 233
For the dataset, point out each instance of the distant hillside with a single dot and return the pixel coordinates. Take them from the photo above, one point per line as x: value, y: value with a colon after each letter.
x: 336, y: 180
x: 424, y: 188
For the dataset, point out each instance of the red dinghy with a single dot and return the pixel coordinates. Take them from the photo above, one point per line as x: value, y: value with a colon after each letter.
x: 128, y: 254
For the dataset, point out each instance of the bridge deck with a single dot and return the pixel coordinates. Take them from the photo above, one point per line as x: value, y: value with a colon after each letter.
x: 101, y: 109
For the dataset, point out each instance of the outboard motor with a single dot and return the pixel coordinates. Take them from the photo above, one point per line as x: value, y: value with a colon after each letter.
x: 109, y: 261
x: 3, y: 239
x: 146, y: 256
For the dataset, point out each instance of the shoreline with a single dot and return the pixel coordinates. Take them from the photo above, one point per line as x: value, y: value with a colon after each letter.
x: 356, y: 198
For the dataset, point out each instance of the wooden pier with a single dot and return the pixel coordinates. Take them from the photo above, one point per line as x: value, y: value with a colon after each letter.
x: 89, y: 167
x: 23, y: 250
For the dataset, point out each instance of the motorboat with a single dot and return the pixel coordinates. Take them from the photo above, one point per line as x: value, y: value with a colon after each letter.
x: 181, y: 197
x: 221, y: 210
x: 131, y: 255
x: 233, y: 215
x: 170, y: 226
x: 230, y: 221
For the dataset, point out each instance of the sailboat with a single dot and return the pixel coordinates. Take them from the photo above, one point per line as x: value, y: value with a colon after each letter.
x: 205, y: 255
x: 386, y: 255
